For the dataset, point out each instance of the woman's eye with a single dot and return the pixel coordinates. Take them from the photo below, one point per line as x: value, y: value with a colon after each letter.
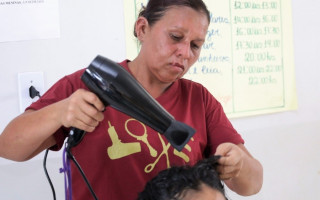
x: 175, y: 37
x: 194, y: 46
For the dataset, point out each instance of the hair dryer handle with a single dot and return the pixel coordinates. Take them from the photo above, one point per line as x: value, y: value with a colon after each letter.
x: 75, y: 137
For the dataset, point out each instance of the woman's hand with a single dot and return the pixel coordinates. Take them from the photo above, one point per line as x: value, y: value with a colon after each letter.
x: 82, y: 110
x: 32, y: 132
x: 231, y: 161
x: 240, y: 171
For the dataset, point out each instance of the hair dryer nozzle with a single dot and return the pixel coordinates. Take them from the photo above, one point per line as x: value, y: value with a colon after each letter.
x: 179, y: 134
x: 116, y: 87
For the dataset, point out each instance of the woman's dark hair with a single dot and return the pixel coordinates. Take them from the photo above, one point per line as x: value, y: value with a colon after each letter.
x: 172, y: 183
x: 155, y: 9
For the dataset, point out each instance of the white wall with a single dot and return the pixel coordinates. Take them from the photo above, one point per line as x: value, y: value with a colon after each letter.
x: 287, y: 143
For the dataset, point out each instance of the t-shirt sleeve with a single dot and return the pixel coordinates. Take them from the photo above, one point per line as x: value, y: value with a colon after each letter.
x: 59, y: 91
x: 220, y: 129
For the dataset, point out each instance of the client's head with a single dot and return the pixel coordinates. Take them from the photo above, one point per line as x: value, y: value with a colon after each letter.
x: 200, y: 182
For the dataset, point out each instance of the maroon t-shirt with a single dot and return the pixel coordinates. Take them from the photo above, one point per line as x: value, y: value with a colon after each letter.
x: 122, y: 154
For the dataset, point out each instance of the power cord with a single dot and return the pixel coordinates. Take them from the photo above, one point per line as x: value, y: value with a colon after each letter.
x: 70, y: 156
x: 33, y: 92
x: 47, y: 175
x: 73, y: 140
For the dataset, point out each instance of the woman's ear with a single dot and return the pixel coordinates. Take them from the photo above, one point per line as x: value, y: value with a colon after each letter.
x: 141, y: 27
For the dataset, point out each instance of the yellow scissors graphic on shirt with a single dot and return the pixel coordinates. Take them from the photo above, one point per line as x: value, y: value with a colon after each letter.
x: 151, y: 166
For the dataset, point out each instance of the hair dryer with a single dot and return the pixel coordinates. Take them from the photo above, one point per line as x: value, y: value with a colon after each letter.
x: 117, y: 88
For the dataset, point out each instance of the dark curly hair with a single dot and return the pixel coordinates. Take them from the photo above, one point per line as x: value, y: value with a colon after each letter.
x: 170, y: 184
x: 155, y: 9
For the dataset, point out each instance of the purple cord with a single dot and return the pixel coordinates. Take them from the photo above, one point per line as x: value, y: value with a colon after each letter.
x: 67, y: 175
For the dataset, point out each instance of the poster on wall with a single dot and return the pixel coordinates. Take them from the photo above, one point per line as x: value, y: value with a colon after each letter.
x: 247, y: 60
x: 29, y: 20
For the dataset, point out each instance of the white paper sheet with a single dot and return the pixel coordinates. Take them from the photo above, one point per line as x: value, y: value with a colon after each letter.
x: 247, y: 60
x: 29, y: 20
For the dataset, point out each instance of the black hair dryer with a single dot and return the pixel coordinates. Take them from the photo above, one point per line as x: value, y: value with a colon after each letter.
x: 117, y: 88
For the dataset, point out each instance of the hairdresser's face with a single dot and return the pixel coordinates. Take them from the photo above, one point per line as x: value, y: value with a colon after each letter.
x: 174, y: 43
x: 205, y: 193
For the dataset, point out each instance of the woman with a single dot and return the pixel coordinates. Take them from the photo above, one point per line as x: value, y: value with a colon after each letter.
x: 114, y: 156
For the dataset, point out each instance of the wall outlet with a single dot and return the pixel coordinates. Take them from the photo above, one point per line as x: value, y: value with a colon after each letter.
x: 25, y: 81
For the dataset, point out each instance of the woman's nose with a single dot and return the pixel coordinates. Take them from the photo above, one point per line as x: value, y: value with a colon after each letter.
x: 184, y: 50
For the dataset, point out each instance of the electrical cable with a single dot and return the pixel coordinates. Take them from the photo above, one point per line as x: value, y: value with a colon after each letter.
x: 33, y: 92
x: 82, y: 174
x: 70, y: 155
x: 47, y: 175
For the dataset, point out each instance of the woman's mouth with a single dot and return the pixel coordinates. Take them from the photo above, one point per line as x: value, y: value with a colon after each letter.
x: 178, y: 65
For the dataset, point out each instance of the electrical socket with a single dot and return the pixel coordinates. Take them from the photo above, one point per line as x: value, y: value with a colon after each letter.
x: 25, y: 81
